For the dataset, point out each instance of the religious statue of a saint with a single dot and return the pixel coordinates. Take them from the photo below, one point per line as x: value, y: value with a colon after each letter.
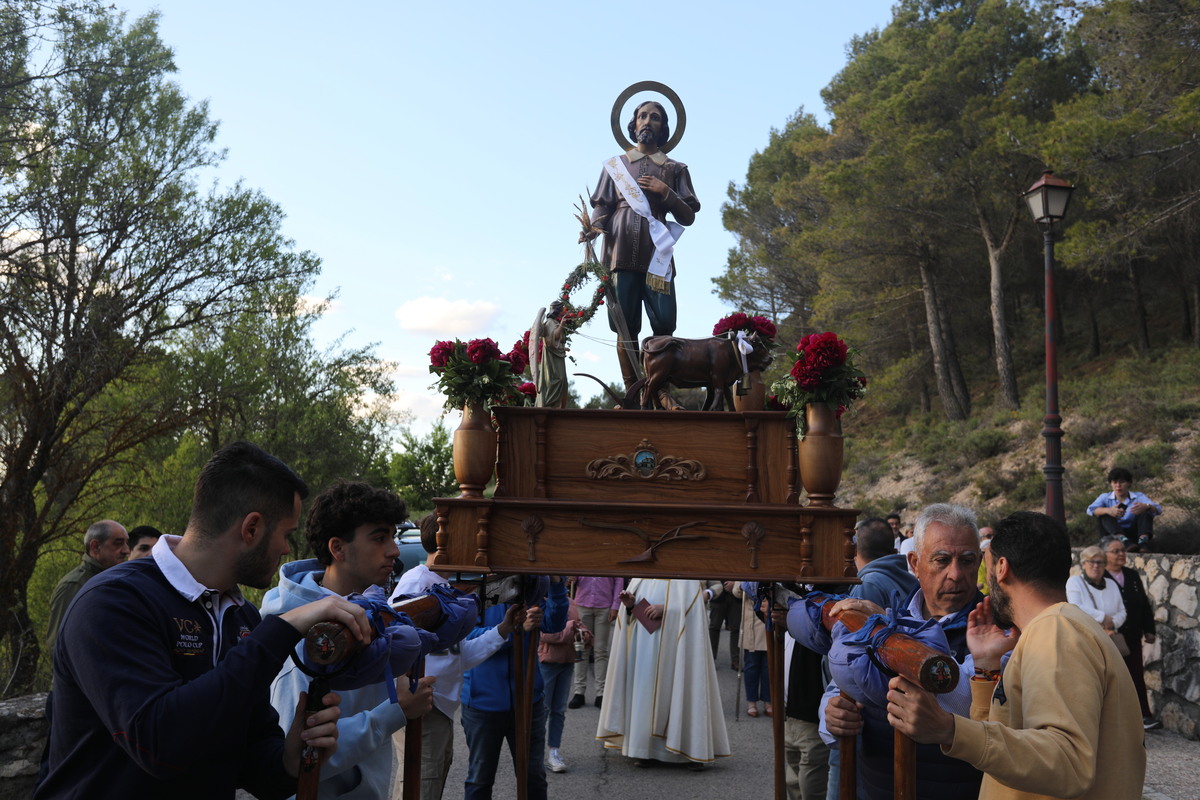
x: 637, y: 190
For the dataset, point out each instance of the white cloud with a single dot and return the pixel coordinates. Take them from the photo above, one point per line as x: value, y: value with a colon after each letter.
x: 309, y: 304
x: 445, y: 317
x: 401, y: 371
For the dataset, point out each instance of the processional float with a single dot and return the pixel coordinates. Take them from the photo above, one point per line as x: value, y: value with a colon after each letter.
x: 658, y: 494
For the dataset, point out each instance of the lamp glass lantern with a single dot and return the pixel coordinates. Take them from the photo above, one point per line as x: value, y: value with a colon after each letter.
x: 1048, y: 198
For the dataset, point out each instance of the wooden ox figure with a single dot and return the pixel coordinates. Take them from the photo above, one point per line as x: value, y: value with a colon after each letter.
x: 714, y: 363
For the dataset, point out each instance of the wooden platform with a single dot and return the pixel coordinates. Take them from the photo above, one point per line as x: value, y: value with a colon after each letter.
x: 684, y: 494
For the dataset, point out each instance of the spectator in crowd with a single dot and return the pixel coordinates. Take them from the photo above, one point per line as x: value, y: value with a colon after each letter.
x: 724, y: 610
x: 488, y: 716
x: 448, y: 667
x: 945, y: 561
x: 754, y: 656
x: 556, y: 656
x: 142, y: 540
x: 985, y: 541
x: 883, y: 573
x: 350, y: 528
x: 1096, y: 593
x: 105, y: 544
x: 893, y: 521
x: 1124, y: 513
x: 1139, y: 619
x: 1053, y: 713
x: 174, y: 701
x: 654, y: 670
x: 909, y: 543
x: 597, y: 600
x: 806, y: 756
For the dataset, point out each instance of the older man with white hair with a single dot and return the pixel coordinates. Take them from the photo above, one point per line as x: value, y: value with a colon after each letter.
x: 945, y: 559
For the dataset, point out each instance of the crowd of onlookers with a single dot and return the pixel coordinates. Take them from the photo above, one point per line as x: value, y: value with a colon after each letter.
x: 647, y: 647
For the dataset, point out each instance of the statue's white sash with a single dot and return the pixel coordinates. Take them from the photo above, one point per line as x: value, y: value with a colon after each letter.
x: 663, y: 234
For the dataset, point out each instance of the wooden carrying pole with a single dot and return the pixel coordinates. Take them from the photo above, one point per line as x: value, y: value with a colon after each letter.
x: 918, y: 662
x: 775, y: 669
x: 328, y: 643
x: 524, y: 664
x: 413, y: 732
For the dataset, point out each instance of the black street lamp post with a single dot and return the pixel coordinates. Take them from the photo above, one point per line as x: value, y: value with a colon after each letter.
x: 1048, y: 200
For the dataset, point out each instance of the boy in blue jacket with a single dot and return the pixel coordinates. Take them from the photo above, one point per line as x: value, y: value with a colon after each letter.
x: 487, y: 696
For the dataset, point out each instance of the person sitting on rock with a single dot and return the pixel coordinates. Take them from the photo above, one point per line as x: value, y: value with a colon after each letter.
x: 1125, y: 514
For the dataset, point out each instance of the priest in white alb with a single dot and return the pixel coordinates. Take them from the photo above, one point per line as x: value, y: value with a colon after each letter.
x: 661, y: 700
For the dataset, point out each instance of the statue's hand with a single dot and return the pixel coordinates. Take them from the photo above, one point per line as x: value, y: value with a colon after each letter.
x: 588, y: 235
x: 654, y: 186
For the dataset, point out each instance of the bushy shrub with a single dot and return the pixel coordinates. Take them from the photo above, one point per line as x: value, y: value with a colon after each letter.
x: 1147, y: 461
x: 986, y: 443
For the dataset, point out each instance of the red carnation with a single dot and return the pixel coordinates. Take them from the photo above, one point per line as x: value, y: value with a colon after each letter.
x: 517, y: 360
x: 481, y: 351
x: 527, y: 389
x: 439, y: 356
x: 734, y: 322
x: 763, y: 327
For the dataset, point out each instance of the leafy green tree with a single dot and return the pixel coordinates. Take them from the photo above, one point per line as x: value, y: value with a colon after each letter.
x: 424, y: 468
x: 948, y: 97
x: 260, y: 378
x: 111, y: 255
x: 764, y: 274
x: 1130, y: 142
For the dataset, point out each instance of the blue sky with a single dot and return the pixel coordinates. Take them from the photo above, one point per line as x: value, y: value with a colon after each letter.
x: 431, y: 153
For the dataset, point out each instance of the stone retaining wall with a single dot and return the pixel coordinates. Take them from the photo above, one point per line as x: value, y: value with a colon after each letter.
x: 1173, y: 662
x: 22, y: 737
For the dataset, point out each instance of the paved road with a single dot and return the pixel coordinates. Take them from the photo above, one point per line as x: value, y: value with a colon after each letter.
x: 596, y: 772
x: 1173, y: 771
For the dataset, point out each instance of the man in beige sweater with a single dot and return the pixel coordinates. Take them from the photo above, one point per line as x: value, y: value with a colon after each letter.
x: 1060, y: 717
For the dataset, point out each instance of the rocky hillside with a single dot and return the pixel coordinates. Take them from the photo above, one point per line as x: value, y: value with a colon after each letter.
x: 1138, y: 411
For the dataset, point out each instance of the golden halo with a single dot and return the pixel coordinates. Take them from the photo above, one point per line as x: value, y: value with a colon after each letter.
x: 648, y: 86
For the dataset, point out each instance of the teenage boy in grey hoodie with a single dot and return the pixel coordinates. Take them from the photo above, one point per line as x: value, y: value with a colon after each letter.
x: 351, y: 529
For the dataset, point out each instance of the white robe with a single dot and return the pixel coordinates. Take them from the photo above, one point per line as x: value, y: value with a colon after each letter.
x: 661, y: 698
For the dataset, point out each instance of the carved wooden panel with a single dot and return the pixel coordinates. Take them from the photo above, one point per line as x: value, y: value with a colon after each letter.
x: 650, y: 494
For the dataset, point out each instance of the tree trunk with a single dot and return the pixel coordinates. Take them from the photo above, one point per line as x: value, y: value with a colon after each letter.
x: 1140, y: 331
x: 1185, y: 310
x: 1196, y: 312
x: 1093, y: 322
x: 20, y: 641
x: 1009, y: 397
x: 942, y: 369
x: 957, y: 379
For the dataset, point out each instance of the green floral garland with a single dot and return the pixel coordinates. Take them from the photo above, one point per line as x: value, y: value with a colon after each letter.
x: 573, y: 318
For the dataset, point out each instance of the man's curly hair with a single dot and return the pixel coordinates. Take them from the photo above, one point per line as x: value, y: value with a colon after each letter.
x: 345, y: 505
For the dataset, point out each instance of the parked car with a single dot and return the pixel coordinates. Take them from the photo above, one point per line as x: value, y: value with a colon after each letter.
x: 408, y: 539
